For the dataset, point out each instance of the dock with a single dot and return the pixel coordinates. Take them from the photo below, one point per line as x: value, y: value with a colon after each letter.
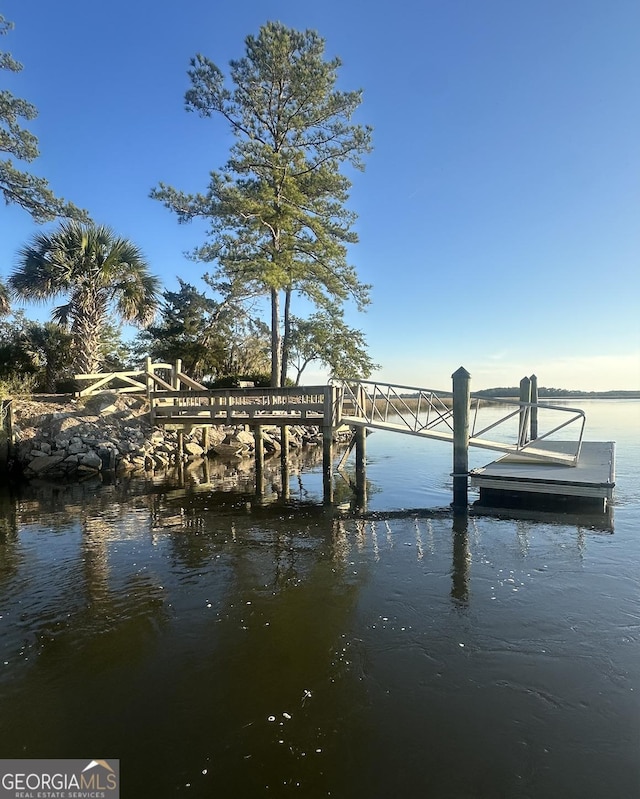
x: 515, y: 481
x: 536, y: 469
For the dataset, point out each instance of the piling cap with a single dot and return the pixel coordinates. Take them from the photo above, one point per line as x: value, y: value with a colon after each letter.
x: 461, y: 372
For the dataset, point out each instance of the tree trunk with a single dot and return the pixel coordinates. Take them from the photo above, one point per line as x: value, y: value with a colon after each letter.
x: 276, y: 340
x: 86, y: 343
x: 50, y: 379
x: 284, y: 368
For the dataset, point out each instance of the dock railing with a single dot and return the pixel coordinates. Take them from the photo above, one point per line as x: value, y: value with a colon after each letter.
x: 523, y: 427
x: 548, y: 419
x: 429, y: 413
x: 303, y: 405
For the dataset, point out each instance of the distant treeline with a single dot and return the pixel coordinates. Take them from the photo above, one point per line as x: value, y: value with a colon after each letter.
x: 514, y: 391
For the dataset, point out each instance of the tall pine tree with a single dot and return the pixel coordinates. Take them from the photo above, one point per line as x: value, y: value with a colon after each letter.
x: 277, y: 215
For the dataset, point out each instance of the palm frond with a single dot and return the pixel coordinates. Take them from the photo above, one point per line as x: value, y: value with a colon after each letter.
x: 62, y: 315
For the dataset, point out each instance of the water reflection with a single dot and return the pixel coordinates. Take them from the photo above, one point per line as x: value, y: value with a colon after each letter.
x: 460, y: 574
x: 266, y: 646
x: 8, y: 535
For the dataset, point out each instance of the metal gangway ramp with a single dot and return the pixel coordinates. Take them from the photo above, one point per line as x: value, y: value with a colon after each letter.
x: 429, y: 413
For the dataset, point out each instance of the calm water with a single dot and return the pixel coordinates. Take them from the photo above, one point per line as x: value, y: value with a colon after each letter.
x: 223, y: 648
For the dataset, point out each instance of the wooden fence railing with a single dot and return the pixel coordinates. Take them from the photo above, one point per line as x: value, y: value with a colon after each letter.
x: 163, y: 376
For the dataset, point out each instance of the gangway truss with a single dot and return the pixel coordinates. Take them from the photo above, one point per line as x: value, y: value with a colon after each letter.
x: 429, y: 413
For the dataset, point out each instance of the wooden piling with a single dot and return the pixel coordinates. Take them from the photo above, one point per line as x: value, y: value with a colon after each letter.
x: 259, y: 456
x: 525, y: 412
x: 361, y: 447
x: 360, y: 433
x: 534, y: 407
x: 284, y: 460
x: 461, y: 404
x: 6, y: 426
x: 10, y: 427
x: 327, y: 445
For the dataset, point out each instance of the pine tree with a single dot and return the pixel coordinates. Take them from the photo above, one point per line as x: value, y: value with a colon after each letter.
x: 20, y: 187
x: 277, y: 209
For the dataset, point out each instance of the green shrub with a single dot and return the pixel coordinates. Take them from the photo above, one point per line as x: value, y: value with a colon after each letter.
x: 15, y: 385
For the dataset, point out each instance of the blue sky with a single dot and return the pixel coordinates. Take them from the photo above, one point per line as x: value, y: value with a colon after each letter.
x: 498, y: 214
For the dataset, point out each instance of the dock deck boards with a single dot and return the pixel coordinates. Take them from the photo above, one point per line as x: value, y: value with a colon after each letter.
x: 592, y: 477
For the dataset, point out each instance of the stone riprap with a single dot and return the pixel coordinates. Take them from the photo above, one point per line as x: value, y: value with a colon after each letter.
x: 112, y: 433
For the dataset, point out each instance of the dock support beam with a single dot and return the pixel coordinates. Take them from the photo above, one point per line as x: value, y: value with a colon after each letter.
x: 327, y: 465
x: 285, y: 472
x: 361, y: 463
x: 259, y: 454
x: 461, y: 403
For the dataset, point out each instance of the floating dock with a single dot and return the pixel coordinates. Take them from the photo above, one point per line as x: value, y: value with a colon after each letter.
x: 516, y: 481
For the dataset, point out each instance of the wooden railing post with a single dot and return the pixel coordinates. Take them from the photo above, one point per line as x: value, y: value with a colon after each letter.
x: 148, y: 371
x: 534, y: 407
x: 175, y: 377
x: 461, y: 405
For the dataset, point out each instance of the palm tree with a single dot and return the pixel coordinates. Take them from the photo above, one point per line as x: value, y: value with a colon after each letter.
x: 101, y: 276
x: 5, y: 306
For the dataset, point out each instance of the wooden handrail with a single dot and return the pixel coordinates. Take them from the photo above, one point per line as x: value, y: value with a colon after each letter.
x: 145, y: 378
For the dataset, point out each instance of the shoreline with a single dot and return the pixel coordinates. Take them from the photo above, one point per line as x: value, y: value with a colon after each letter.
x: 63, y: 438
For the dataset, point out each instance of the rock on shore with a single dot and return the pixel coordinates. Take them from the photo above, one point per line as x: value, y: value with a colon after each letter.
x: 68, y: 438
